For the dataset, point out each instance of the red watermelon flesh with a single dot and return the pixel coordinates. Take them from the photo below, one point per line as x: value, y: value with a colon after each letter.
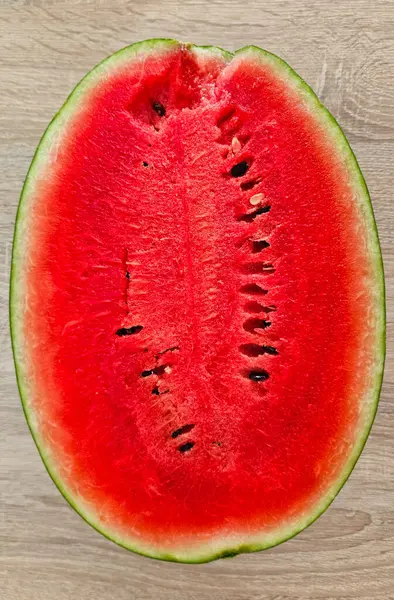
x: 197, y: 301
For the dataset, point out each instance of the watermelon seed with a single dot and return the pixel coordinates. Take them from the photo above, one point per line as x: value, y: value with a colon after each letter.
x: 161, y: 369
x: 255, y: 350
x: 240, y: 169
x: 249, y: 217
x: 157, y: 392
x: 253, y: 323
x: 127, y: 275
x: 259, y: 245
x: 186, y: 447
x: 235, y: 145
x: 182, y: 430
x: 129, y: 330
x: 159, y: 108
x: 256, y: 199
x: 253, y: 289
x: 270, y: 350
x: 249, y: 185
x: 156, y: 371
x: 260, y: 375
x: 145, y: 164
x: 147, y: 373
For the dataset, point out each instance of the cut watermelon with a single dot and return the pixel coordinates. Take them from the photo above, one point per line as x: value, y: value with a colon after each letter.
x: 197, y: 301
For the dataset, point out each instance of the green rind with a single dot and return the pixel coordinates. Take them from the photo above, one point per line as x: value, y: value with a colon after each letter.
x: 204, y: 554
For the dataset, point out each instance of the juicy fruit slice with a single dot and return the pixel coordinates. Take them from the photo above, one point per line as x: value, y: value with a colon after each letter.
x: 197, y: 301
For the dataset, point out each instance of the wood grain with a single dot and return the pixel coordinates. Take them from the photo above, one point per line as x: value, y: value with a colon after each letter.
x: 345, y: 50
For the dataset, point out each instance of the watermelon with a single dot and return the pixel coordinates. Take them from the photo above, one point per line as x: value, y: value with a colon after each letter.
x: 197, y: 301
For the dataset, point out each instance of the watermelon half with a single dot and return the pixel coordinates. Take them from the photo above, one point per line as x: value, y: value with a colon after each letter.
x: 197, y: 301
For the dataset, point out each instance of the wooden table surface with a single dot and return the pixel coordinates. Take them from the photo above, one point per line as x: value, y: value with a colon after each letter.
x: 345, y: 50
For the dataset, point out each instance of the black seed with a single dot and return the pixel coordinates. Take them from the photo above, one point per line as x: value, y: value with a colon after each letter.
x: 145, y: 163
x: 156, y: 371
x: 156, y: 391
x: 147, y: 373
x: 239, y: 169
x: 128, y: 330
x: 258, y: 375
x: 270, y: 350
x: 159, y: 370
x: 127, y: 275
x: 182, y: 430
x: 186, y: 447
x: 159, y: 108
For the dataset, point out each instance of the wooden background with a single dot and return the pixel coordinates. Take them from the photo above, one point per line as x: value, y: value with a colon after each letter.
x: 345, y: 50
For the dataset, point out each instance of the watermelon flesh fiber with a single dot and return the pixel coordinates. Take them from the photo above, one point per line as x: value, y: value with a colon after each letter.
x: 200, y: 298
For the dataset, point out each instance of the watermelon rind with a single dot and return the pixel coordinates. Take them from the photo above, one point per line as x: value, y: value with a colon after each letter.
x: 221, y: 546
